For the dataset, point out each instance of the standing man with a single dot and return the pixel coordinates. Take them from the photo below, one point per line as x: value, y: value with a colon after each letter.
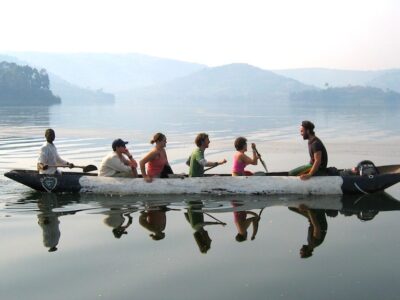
x: 197, y: 160
x: 318, y: 154
x: 115, y: 164
x: 49, y: 158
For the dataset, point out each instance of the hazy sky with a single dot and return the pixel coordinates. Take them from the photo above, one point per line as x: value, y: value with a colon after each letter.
x: 348, y: 34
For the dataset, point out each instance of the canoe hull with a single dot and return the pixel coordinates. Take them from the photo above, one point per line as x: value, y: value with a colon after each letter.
x: 70, y: 182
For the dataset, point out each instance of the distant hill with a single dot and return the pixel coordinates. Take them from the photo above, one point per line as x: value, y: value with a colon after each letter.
x: 389, y: 80
x: 69, y: 93
x: 23, y: 85
x: 72, y: 94
x: 110, y: 72
x: 331, y: 77
x: 350, y: 94
x: 234, y: 82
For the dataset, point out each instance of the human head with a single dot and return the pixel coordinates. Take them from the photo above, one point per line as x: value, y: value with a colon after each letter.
x: 158, y: 138
x: 50, y: 135
x: 241, y: 237
x: 118, y: 143
x: 158, y: 235
x: 306, y: 251
x: 202, y: 139
x: 307, y: 129
x: 240, y: 143
x: 203, y: 240
x: 118, y: 232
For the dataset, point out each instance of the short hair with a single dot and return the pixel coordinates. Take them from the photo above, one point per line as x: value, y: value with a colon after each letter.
x: 241, y: 237
x: 200, y: 138
x: 158, y: 137
x: 48, y: 132
x: 308, y: 125
x: 240, y: 142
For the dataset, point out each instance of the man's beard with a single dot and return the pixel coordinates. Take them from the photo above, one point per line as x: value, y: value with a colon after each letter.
x: 306, y: 136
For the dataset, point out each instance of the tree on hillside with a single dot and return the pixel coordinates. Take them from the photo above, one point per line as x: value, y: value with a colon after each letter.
x: 24, y: 85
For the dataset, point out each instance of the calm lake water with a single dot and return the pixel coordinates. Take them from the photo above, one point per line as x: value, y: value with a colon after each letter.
x: 110, y: 247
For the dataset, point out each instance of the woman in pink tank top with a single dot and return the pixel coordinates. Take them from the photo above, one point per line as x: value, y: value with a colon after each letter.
x: 241, y: 160
x: 156, y: 159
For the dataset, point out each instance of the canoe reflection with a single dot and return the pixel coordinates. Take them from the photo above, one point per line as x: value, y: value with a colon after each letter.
x: 200, y: 212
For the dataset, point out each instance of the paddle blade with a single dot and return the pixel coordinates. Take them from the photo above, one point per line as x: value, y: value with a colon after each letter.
x: 89, y: 168
x: 264, y: 165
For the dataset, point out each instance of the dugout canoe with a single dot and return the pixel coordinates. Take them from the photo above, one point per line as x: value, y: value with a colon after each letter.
x: 271, y: 183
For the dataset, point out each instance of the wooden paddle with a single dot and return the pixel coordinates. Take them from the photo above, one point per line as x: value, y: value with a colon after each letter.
x: 219, y: 221
x: 262, y: 162
x: 85, y: 169
x: 205, y: 170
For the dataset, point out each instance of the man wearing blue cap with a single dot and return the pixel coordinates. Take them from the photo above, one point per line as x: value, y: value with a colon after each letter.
x: 115, y: 164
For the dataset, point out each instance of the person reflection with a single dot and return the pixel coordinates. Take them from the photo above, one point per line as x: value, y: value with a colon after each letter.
x: 317, y: 229
x: 243, y: 223
x: 48, y: 220
x: 195, y: 217
x: 115, y: 219
x: 154, y: 219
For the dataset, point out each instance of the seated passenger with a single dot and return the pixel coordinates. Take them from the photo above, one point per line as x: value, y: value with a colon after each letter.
x: 241, y: 160
x: 115, y: 164
x: 318, y: 154
x: 156, y: 159
x: 48, y: 157
x: 197, y: 160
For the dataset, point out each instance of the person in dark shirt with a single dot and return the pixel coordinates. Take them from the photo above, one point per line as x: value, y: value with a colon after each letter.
x: 318, y: 154
x: 317, y: 229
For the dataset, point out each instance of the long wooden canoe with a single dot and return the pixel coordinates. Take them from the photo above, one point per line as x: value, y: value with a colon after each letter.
x: 271, y: 183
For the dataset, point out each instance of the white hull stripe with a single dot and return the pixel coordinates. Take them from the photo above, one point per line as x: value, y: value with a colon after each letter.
x: 325, y: 185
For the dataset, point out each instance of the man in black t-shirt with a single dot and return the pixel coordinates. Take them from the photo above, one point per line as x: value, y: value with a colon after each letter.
x: 318, y: 154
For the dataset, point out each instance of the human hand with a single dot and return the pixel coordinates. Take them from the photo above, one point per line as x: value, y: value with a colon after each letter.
x: 147, y: 178
x: 305, y: 176
x: 133, y: 163
x: 222, y: 161
x: 253, y: 146
x: 126, y: 151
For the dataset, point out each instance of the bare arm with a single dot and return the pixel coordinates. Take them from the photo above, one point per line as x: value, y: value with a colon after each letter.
x: 214, y: 164
x: 150, y: 156
x: 315, y: 166
x: 315, y: 223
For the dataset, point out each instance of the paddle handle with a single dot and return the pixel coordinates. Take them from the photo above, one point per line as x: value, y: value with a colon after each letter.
x: 205, y: 170
x: 262, y: 162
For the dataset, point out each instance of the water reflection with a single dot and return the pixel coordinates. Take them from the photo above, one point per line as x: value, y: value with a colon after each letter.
x: 195, y: 216
x: 27, y: 116
x: 201, y: 213
x: 243, y: 222
x: 154, y: 219
x: 115, y: 218
x: 48, y: 219
x: 317, y: 229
